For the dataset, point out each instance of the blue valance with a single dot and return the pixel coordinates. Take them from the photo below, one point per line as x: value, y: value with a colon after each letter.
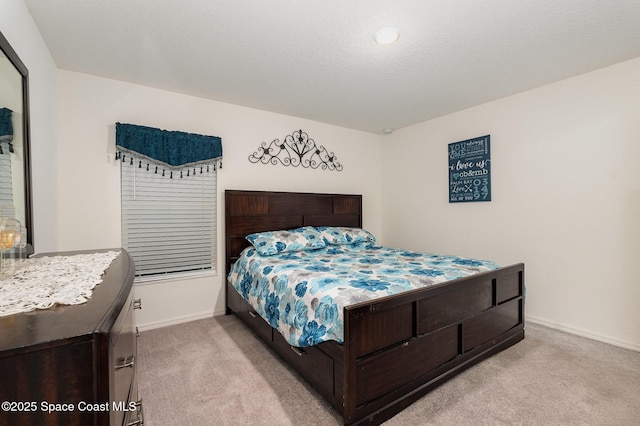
x: 6, y: 125
x: 175, y: 149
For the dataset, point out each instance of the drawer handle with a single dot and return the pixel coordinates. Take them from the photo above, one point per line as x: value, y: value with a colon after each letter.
x: 127, y: 362
x: 139, y: 421
x: 137, y: 304
x: 253, y: 314
x: 298, y: 351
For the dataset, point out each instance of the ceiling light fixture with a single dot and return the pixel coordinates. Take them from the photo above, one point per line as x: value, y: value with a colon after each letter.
x: 387, y: 35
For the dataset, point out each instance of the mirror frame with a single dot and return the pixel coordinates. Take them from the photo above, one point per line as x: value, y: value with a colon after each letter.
x: 13, y: 57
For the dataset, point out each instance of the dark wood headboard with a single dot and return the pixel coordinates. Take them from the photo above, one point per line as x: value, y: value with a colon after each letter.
x: 257, y: 211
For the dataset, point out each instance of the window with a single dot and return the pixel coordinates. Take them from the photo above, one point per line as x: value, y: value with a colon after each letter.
x: 6, y: 182
x: 168, y: 212
x: 168, y: 224
x: 6, y: 150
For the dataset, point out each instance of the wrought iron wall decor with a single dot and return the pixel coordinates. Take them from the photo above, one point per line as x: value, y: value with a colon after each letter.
x: 297, y: 149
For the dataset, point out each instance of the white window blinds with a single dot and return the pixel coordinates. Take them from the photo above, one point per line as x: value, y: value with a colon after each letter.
x: 168, y: 224
x: 6, y: 185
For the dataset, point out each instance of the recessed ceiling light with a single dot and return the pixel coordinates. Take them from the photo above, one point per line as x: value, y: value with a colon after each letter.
x: 387, y: 35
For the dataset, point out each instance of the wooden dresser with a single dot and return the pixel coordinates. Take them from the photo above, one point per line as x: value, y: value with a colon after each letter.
x: 74, y: 365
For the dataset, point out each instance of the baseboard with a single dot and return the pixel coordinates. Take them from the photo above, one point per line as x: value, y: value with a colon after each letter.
x: 529, y: 318
x: 584, y: 333
x: 177, y: 320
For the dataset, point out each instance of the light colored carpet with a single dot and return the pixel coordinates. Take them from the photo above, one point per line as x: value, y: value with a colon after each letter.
x: 216, y: 372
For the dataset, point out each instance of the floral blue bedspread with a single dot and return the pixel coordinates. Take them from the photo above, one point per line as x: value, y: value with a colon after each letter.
x: 302, y: 293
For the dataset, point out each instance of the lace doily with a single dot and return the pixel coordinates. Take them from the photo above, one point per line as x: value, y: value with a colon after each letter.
x: 40, y: 283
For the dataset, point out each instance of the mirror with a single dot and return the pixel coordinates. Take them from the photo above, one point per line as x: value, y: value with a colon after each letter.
x: 15, y: 177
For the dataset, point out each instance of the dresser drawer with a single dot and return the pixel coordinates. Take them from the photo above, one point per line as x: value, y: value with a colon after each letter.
x: 244, y: 311
x: 313, y: 364
x: 256, y: 323
x: 123, y: 361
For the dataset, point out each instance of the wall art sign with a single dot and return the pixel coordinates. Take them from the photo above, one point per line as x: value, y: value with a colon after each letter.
x: 470, y: 170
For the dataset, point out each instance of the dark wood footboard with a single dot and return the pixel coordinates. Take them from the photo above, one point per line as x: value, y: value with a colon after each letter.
x: 399, y: 348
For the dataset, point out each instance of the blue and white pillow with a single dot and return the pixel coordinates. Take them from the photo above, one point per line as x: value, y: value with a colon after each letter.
x: 273, y: 242
x: 345, y: 235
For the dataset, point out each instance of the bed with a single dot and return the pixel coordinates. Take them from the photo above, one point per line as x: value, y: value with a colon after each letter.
x: 394, y: 349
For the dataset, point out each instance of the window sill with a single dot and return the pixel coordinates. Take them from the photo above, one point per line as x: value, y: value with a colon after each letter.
x: 157, y: 279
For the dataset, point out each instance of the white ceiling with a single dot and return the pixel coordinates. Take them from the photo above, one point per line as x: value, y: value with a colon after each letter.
x: 316, y: 59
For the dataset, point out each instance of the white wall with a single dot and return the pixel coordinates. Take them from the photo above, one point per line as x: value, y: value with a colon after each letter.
x: 19, y: 29
x: 566, y: 197
x: 89, y: 178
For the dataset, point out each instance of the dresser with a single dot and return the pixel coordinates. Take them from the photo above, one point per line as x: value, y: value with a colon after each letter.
x: 76, y: 364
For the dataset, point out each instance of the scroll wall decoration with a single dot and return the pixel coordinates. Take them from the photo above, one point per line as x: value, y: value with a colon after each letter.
x: 297, y: 149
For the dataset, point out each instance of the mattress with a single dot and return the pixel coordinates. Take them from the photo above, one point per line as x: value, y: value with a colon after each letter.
x: 302, y: 293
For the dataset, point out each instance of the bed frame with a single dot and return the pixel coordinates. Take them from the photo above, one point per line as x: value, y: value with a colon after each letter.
x: 396, y: 349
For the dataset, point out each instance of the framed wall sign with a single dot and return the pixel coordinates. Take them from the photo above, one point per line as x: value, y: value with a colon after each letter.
x: 470, y: 170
